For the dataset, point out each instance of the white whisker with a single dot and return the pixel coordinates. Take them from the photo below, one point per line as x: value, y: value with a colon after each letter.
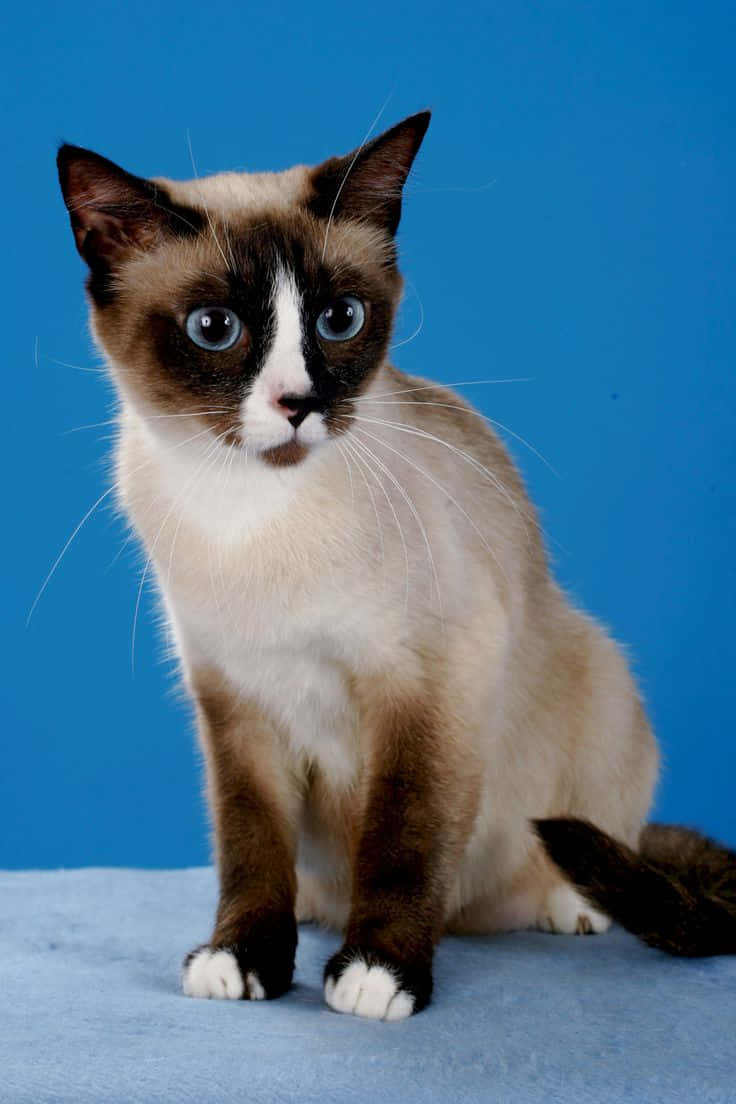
x: 211, y: 458
x: 348, y: 445
x: 149, y: 417
x: 415, y: 431
x: 88, y: 515
x: 476, y: 414
x: 228, y: 264
x: 60, y: 557
x: 151, y: 506
x: 443, y: 490
x: 350, y: 475
x: 418, y: 330
x: 76, y: 367
x: 343, y: 182
x: 415, y: 513
x: 177, y: 502
x: 451, y: 383
x: 364, y: 448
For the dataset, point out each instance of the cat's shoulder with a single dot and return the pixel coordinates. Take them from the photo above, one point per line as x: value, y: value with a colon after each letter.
x: 433, y: 408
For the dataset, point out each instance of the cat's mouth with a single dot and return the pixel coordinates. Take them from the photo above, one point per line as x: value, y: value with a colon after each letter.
x: 308, y: 434
x: 282, y: 454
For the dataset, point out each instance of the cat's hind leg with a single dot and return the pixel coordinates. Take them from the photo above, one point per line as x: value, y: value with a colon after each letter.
x: 537, y: 898
x: 564, y: 911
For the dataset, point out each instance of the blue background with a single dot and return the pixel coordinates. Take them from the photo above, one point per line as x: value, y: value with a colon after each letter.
x: 570, y: 220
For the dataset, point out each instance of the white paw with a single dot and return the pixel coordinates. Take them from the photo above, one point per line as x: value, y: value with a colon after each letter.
x: 370, y: 991
x: 567, y: 913
x: 212, y: 972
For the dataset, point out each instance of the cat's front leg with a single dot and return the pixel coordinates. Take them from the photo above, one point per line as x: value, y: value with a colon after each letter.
x: 419, y: 808
x: 250, y: 954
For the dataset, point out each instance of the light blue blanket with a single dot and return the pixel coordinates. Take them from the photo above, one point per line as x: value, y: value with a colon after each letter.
x: 91, y: 1012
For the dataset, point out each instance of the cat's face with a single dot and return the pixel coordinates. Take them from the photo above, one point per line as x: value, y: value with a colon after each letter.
x: 255, y: 306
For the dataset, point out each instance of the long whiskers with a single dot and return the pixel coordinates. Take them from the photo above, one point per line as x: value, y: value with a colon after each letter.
x: 360, y: 447
x: 369, y: 490
x: 473, y: 413
x: 414, y: 431
x: 178, y: 501
x: 61, y: 555
x: 149, y: 417
x: 418, y: 330
x: 207, y: 464
x: 85, y: 518
x: 443, y: 490
x: 77, y: 367
x: 450, y: 383
x: 350, y: 474
x: 415, y: 514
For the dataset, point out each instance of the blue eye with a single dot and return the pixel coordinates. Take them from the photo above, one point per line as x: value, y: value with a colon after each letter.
x: 214, y: 328
x: 342, y: 320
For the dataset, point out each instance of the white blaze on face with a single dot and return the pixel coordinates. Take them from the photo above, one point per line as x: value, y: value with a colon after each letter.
x: 283, y: 372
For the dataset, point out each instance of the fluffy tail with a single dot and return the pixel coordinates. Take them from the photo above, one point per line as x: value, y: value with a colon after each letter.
x: 678, y: 892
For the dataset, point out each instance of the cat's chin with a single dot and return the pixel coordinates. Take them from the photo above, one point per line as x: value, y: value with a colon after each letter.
x: 285, y: 455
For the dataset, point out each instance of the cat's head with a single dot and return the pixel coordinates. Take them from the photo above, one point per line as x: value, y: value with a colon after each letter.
x: 255, y: 305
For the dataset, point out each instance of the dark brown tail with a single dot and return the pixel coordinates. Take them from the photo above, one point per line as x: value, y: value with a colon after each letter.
x: 678, y: 892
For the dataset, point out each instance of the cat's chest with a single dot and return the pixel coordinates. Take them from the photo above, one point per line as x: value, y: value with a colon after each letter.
x: 279, y: 590
x: 277, y: 646
x: 246, y: 563
x: 270, y: 608
x: 262, y: 584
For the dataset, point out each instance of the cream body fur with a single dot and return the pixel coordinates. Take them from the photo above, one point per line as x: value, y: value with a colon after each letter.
x: 287, y: 583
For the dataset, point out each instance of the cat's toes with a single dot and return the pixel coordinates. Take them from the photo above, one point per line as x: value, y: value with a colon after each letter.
x: 366, y: 984
x: 212, y: 972
x: 215, y: 972
x: 370, y: 991
x: 567, y: 913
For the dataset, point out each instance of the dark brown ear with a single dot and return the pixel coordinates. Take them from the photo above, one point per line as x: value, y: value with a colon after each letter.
x: 114, y: 213
x: 367, y: 183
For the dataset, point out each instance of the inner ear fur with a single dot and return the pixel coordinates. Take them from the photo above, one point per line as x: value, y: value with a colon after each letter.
x: 367, y: 183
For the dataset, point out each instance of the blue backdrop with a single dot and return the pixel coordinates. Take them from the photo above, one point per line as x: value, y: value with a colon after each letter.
x: 570, y: 220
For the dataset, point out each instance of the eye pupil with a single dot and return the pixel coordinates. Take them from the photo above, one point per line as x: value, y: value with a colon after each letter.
x: 340, y: 317
x: 215, y: 325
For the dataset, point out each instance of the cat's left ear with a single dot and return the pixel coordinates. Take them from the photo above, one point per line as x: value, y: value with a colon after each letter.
x: 367, y: 184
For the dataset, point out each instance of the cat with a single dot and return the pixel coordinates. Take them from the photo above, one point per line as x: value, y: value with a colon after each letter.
x: 389, y: 685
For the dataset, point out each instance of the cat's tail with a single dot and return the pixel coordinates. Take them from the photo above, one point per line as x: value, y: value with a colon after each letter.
x: 678, y: 892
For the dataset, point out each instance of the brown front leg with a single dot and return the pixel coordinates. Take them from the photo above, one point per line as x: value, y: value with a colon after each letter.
x: 419, y: 808
x: 251, y: 951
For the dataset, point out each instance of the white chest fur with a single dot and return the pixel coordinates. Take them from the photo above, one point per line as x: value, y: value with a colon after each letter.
x: 247, y: 560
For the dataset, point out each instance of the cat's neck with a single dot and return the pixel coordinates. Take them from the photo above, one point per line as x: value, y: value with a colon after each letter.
x: 222, y: 489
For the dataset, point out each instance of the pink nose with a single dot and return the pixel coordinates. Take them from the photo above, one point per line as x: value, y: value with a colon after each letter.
x: 295, y: 408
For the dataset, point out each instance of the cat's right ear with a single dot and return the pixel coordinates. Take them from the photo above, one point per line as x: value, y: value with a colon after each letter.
x: 114, y: 213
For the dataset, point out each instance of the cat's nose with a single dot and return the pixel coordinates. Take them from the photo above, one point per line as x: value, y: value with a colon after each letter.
x: 297, y: 407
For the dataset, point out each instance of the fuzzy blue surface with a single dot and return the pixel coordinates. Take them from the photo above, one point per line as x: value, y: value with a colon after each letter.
x: 89, y: 965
